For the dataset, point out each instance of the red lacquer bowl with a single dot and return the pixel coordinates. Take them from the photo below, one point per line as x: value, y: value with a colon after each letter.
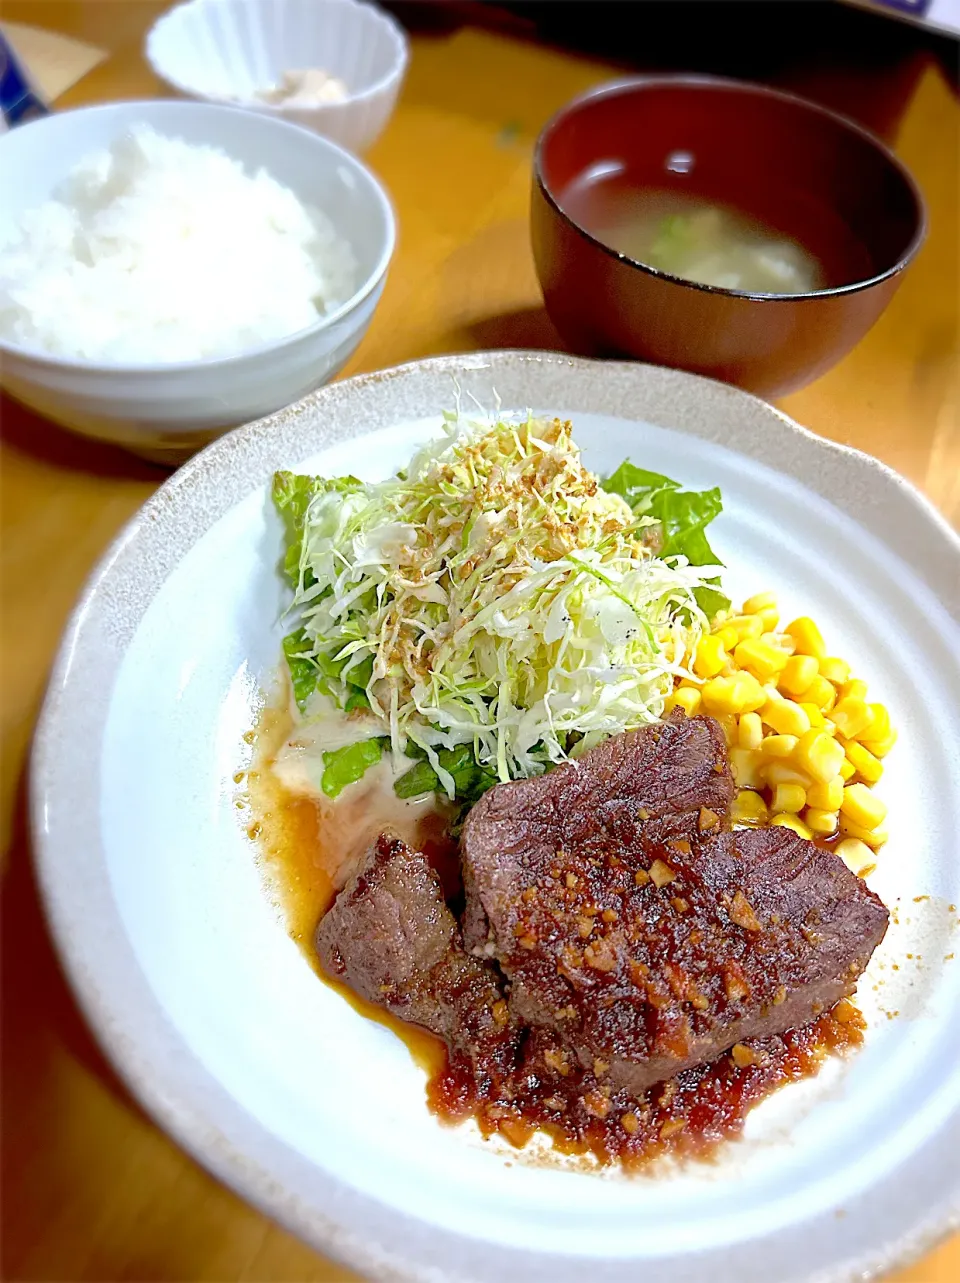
x: 809, y: 173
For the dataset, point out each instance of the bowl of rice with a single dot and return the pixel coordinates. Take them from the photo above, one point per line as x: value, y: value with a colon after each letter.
x: 170, y: 270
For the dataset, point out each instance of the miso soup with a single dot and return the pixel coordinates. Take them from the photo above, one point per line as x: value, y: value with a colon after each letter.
x: 697, y: 239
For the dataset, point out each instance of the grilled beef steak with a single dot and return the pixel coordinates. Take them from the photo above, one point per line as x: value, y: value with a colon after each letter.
x: 628, y: 923
x: 664, y: 782
x: 392, y: 939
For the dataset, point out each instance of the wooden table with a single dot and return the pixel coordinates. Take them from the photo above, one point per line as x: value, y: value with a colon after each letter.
x: 91, y: 1189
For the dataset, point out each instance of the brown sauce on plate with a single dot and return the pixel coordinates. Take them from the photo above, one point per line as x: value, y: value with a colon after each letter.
x: 688, y: 1116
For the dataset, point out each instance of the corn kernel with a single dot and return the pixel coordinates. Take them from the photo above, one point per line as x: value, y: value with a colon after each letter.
x: 855, y: 854
x: 826, y: 796
x: 758, y: 602
x: 780, y: 640
x: 710, y: 657
x: 850, y: 716
x: 728, y: 637
x: 785, y: 717
x: 777, y: 772
x: 880, y: 748
x: 818, y: 755
x: 770, y: 617
x: 789, y: 797
x: 779, y: 746
x: 748, y: 808
x: 784, y: 821
x: 759, y: 658
x: 740, y: 693
x: 869, y: 768
x: 854, y: 689
x: 750, y: 731
x: 807, y: 636
x: 822, y: 822
x: 874, y: 838
x: 817, y: 719
x: 879, y: 724
x: 687, y: 698
x: 798, y: 672
x: 746, y: 767
x: 745, y: 625
x: 728, y: 724
x: 863, y: 807
x: 847, y: 770
x: 750, y: 693
x: 822, y: 693
x: 835, y: 670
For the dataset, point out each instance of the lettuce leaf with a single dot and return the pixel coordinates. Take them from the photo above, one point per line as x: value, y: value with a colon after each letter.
x: 346, y: 765
x: 304, y: 670
x: 638, y: 486
x: 358, y: 678
x: 318, y: 672
x: 471, y: 779
x: 292, y: 493
x: 682, y: 517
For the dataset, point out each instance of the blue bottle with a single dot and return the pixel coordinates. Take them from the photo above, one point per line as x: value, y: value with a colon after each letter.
x: 18, y: 102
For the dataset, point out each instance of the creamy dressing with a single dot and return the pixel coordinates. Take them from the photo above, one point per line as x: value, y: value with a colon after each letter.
x: 299, y: 759
x: 312, y: 844
x: 348, y: 826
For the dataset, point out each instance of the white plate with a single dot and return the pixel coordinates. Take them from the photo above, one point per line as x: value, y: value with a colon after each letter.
x: 318, y: 1116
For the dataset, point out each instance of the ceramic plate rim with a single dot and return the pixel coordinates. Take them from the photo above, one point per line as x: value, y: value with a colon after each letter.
x: 142, y: 1043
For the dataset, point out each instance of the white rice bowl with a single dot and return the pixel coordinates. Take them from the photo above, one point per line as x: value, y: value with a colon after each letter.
x: 158, y: 251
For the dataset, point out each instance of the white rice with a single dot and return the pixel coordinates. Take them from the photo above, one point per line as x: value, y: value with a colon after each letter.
x: 160, y: 250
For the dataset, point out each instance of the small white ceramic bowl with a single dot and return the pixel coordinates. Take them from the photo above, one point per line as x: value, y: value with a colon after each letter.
x: 227, y: 50
x: 166, y: 411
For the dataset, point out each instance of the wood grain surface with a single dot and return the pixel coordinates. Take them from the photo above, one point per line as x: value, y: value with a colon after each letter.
x: 91, y: 1190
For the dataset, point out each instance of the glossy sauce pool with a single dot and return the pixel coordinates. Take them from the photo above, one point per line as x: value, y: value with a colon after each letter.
x: 308, y: 846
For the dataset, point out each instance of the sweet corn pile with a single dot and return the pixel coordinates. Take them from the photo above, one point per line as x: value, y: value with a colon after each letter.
x: 805, y: 744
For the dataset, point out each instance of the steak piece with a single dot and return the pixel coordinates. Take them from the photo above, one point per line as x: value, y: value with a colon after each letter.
x: 390, y: 936
x: 652, y: 954
x: 632, y: 790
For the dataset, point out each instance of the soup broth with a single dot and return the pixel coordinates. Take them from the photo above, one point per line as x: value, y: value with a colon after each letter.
x: 700, y: 240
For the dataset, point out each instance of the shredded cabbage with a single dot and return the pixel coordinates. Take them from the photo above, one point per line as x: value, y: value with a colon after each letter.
x: 494, y: 595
